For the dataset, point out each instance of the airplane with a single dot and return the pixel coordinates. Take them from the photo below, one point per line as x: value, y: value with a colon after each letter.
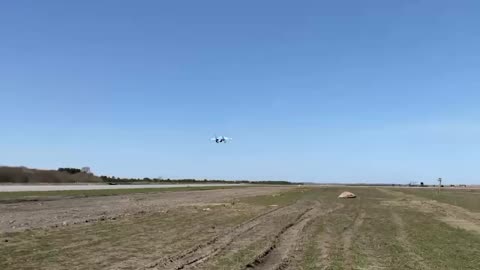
x: 221, y: 139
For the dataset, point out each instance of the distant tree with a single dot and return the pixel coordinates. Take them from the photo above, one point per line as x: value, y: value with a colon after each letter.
x: 421, y: 184
x: 69, y: 170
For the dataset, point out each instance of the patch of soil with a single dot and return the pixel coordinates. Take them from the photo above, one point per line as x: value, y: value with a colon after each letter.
x: 65, y: 212
x: 204, y: 251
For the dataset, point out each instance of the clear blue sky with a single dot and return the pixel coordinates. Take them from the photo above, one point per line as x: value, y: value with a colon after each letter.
x: 327, y: 91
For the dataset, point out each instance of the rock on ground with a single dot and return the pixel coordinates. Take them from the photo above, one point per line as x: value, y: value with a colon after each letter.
x: 347, y: 195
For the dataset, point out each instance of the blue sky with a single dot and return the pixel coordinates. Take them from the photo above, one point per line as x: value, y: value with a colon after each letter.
x: 326, y: 91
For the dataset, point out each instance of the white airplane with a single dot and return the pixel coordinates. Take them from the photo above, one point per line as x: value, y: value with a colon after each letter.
x: 221, y: 139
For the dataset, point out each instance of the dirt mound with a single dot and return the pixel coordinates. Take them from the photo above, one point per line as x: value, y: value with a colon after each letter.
x: 347, y: 195
x: 26, y: 175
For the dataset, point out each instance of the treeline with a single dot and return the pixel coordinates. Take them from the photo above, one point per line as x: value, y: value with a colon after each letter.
x: 113, y: 179
x: 70, y: 170
x: 26, y: 175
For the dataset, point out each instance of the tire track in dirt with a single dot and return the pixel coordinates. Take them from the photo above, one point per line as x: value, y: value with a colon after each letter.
x: 274, y: 257
x: 287, y: 248
x: 402, y: 238
x: 324, y: 242
x: 311, y: 231
x: 347, y: 239
x: 204, y: 251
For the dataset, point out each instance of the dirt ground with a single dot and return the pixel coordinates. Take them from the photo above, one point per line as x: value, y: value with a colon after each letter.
x: 251, y: 228
x: 18, y: 216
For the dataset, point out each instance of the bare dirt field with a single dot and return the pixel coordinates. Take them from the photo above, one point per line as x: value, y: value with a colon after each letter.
x: 54, y: 211
x: 57, y: 187
x: 245, y: 228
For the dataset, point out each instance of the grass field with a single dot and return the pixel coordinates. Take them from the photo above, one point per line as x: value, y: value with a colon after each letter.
x: 300, y: 228
x: 467, y: 198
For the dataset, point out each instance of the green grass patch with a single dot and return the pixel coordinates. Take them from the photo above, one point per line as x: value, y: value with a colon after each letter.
x: 466, y: 198
x: 312, y: 251
x: 442, y: 246
x: 238, y: 259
